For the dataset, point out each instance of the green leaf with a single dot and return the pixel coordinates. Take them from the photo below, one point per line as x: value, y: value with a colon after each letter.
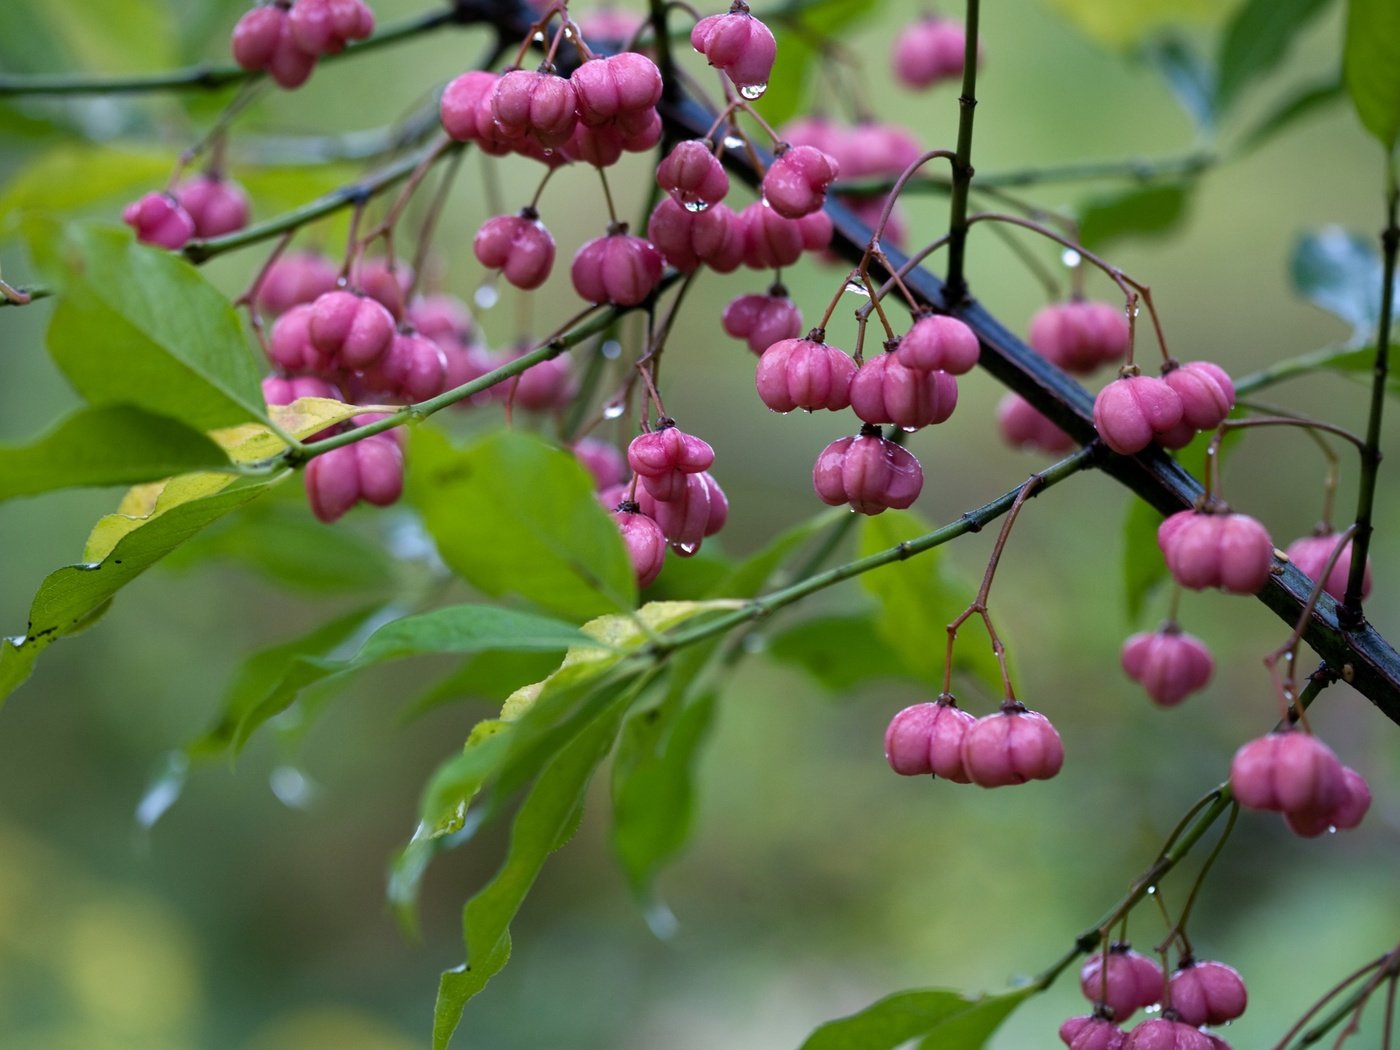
x: 1191, y: 79
x: 546, y: 821
x: 139, y: 325
x: 1118, y: 24
x: 944, y: 1019
x: 515, y: 515
x: 72, y: 598
x: 841, y: 653
x: 130, y: 36
x: 1371, y: 66
x: 917, y: 600
x: 109, y: 445
x: 1256, y: 41
x: 1136, y: 212
x: 795, y: 27
x: 69, y: 178
x: 259, y: 695
x: 1143, y: 566
x: 1291, y: 110
x: 1340, y: 271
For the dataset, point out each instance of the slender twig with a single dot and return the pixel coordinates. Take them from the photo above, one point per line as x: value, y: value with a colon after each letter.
x: 956, y: 281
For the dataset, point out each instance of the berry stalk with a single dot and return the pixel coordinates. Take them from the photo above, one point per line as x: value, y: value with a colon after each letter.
x: 956, y: 280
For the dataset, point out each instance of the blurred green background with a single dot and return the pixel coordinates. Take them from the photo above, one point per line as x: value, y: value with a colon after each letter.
x: 252, y: 915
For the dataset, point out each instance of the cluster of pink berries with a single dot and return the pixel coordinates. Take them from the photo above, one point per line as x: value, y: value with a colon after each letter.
x: 738, y: 45
x: 1121, y: 982
x: 1135, y: 410
x: 285, y: 38
x: 206, y: 205
x: 1296, y: 774
x: 1010, y: 746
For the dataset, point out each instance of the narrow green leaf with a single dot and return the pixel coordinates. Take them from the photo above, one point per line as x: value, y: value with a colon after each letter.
x: 944, y: 1019
x: 841, y: 653
x: 486, y: 676
x: 917, y: 600
x: 1292, y: 109
x: 1143, y: 567
x: 1340, y: 271
x: 546, y: 821
x: 1137, y: 212
x: 140, y: 326
x: 1371, y: 66
x: 73, y: 597
x: 107, y: 445
x: 1256, y: 41
x: 1188, y: 75
x: 515, y: 515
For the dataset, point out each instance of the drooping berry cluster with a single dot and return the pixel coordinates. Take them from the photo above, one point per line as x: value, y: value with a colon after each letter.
x: 284, y: 39
x: 1010, y: 746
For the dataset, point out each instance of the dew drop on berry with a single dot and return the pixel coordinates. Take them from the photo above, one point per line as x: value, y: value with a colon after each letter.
x: 753, y: 91
x: 696, y: 205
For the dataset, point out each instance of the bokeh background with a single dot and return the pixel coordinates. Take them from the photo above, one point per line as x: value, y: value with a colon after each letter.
x: 252, y: 914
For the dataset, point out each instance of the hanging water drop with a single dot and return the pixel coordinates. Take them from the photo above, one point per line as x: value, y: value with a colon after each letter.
x: 611, y: 349
x: 733, y: 142
x: 291, y: 787
x: 613, y: 410
x: 1071, y: 258
x: 857, y: 288
x: 753, y: 91
x: 538, y: 37
x: 685, y: 550
x: 486, y: 296
x: 695, y: 206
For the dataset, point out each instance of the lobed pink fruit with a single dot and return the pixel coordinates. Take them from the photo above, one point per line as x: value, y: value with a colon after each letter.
x: 616, y: 87
x: 687, y: 238
x: 701, y: 510
x: 645, y: 543
x: 1230, y: 551
x: 1092, y: 1033
x: 297, y: 277
x: 869, y: 473
x: 540, y: 106
x: 159, y: 219
x: 387, y: 282
x: 609, y: 23
x: 693, y: 175
x: 441, y: 317
x: 937, y: 342
x: 1311, y: 553
x: 256, y: 35
x: 1080, y: 335
x: 1124, y: 982
x: 884, y: 391
x: 1022, y: 425
x: 283, y: 391
x: 907, y: 740
x: 739, y: 45
x: 324, y: 27
x: 371, y: 470
x: 873, y: 148
x: 290, y: 346
x: 353, y: 331
x: 949, y: 729
x: 663, y: 459
x: 1347, y: 813
x: 413, y: 369
x: 1169, y: 664
x: 1207, y: 393
x: 771, y: 241
x: 215, y: 204
x: 617, y: 268
x: 930, y: 50
x: 1161, y: 1033
x: 795, y: 183
x: 762, y: 320
x: 1208, y: 993
x: 1012, y: 746
x: 543, y: 387
x: 1133, y: 410
x: 517, y: 245
x: 803, y: 373
x: 1288, y: 772
x: 826, y: 135
x: 461, y: 110
x: 602, y: 460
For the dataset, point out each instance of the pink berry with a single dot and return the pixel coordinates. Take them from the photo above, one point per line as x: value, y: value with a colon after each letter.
x: 1092, y: 1033
x: 770, y: 241
x: 907, y: 740
x: 601, y: 460
x: 255, y: 37
x: 414, y: 368
x: 159, y: 219
x: 1169, y: 664
x: 1229, y: 551
x: 609, y: 23
x: 440, y: 317
x: 617, y: 268
x: 1206, y: 391
x: 930, y: 50
x: 280, y: 391
x: 371, y: 469
x: 216, y: 205
x: 1208, y: 993
x: 803, y: 373
x: 1345, y: 814
x: 1133, y: 410
x: 352, y: 330
x: 387, y: 282
x: 692, y: 175
x: 297, y: 277
x: 762, y: 320
x: 946, y: 735
x: 324, y: 27
x: 1288, y: 772
x: 461, y: 109
x: 379, y: 458
x: 645, y: 542
x: 874, y: 148
x: 1080, y: 335
x: 1311, y: 554
x: 1124, y: 981
x: 616, y: 87
x: 884, y: 391
x: 1022, y: 425
x: 290, y: 345
x: 1012, y: 746
x: 542, y: 387
x: 540, y: 106
x: 869, y: 473
x: 701, y: 510
x: 826, y: 135
x: 663, y: 459
x: 517, y: 245
x: 795, y: 183
x: 689, y: 238
x: 739, y: 45
x: 1161, y: 1033
x: 939, y: 342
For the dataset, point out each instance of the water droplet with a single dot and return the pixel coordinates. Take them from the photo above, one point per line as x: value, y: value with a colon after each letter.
x: 910, y: 430
x: 1151, y: 890
x: 611, y: 349
x: 733, y: 142
x: 755, y: 643
x: 661, y: 921
x: 486, y: 296
x: 165, y: 789
x: 1155, y: 1008
x: 694, y: 206
x: 291, y: 787
x: 685, y: 550
x: 1331, y: 829
x: 538, y: 37
x: 753, y: 91
x: 88, y: 566
x: 1136, y: 309
x: 1071, y: 258
x: 857, y: 288
x: 613, y: 410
